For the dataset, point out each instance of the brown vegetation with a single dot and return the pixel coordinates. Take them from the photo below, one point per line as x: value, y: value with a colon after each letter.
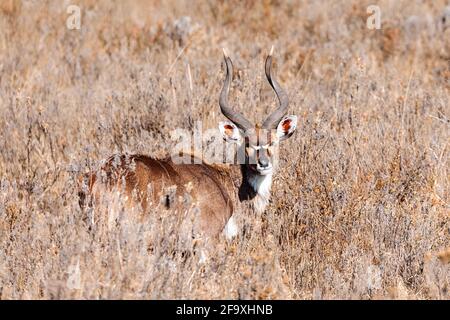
x: 359, y: 209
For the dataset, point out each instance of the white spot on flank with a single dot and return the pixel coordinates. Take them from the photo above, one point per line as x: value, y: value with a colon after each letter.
x: 231, y: 229
x: 203, y: 257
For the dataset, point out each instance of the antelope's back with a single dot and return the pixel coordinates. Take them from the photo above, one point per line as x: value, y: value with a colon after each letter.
x: 163, y: 184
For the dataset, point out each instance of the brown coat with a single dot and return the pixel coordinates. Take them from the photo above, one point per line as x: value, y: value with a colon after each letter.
x: 148, y: 181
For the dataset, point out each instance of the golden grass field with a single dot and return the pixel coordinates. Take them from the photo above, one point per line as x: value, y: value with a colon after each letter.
x: 360, y: 205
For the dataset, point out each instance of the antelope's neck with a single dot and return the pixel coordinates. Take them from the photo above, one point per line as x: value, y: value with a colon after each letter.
x: 262, y: 186
x: 255, y: 188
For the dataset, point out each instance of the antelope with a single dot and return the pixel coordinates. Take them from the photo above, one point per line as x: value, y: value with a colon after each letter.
x: 218, y: 192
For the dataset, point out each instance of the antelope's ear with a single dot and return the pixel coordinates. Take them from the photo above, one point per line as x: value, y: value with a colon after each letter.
x: 286, y: 127
x: 230, y: 132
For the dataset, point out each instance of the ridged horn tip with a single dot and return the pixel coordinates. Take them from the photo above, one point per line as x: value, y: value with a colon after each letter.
x: 271, y: 51
x: 225, y: 53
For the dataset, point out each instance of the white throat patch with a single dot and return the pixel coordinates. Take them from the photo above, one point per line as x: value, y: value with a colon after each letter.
x: 262, y: 185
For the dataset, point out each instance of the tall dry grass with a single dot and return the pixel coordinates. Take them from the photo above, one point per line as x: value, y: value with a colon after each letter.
x: 360, y: 206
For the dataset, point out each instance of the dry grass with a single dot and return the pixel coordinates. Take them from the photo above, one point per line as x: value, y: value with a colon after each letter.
x: 360, y: 208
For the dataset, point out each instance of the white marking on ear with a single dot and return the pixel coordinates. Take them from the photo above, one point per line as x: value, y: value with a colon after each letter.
x: 286, y: 127
x: 230, y: 131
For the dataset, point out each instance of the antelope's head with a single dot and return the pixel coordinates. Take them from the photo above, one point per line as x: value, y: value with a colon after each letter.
x: 258, y: 144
